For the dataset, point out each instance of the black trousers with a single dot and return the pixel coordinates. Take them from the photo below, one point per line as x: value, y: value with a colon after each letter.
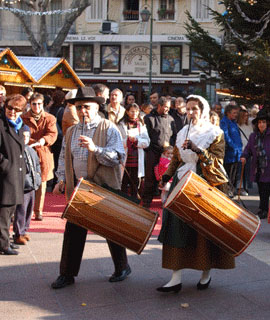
x: 130, y: 187
x: 150, y: 181
x: 23, y: 214
x: 264, y: 193
x: 6, y: 212
x: 72, y: 251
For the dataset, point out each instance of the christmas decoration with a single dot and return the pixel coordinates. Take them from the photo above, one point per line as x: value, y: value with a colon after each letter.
x: 242, y: 58
x: 5, y: 62
x: 38, y: 13
x: 61, y: 70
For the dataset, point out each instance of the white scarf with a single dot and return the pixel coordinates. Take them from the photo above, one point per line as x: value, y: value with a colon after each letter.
x: 202, y: 135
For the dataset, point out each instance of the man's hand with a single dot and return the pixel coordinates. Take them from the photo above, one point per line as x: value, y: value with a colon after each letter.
x: 86, y: 142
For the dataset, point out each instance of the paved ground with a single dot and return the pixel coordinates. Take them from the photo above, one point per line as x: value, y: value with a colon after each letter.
x: 239, y: 294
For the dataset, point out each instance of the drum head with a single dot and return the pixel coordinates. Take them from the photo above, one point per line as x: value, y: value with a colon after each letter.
x: 178, y: 188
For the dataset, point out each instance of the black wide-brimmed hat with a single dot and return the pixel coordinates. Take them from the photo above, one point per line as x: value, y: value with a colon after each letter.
x: 86, y: 94
x: 263, y: 114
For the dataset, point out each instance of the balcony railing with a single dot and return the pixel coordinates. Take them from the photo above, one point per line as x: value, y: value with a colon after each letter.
x: 131, y: 14
x: 164, y: 14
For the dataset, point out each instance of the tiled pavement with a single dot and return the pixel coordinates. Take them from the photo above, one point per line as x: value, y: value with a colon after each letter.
x: 25, y: 293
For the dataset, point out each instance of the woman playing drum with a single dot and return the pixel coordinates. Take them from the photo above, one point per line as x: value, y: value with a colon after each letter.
x: 199, y: 147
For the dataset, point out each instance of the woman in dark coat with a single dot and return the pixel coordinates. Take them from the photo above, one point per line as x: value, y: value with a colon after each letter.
x: 258, y: 148
x: 12, y: 167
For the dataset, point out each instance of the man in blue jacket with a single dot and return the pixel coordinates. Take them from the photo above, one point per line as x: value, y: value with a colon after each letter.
x: 233, y: 141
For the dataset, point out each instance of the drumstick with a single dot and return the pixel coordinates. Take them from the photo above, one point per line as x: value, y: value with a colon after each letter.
x: 188, y: 126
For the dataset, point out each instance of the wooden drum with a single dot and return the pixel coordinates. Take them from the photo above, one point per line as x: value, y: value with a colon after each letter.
x: 110, y: 216
x: 211, y: 213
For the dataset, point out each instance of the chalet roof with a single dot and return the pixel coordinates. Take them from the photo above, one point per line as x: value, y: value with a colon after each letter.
x: 37, y: 71
x: 38, y: 66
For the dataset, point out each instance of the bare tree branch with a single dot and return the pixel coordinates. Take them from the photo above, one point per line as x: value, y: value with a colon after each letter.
x: 69, y: 19
x: 28, y: 31
x: 40, y: 42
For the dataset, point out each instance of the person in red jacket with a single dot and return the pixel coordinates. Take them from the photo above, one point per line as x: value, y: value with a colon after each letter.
x: 161, y: 168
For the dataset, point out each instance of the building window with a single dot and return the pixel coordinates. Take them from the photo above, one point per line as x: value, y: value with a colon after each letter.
x: 56, y: 19
x: 131, y: 10
x: 166, y: 10
x: 199, y: 9
x: 97, y: 11
x: 23, y: 35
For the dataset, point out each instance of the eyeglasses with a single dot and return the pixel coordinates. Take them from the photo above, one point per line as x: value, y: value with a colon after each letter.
x: 36, y: 103
x: 17, y: 110
x: 79, y: 108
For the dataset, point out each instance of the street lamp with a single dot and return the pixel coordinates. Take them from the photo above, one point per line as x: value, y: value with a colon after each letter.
x: 145, y: 15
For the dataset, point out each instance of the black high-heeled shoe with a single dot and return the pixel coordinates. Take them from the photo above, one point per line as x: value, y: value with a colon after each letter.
x: 203, y: 286
x: 174, y: 289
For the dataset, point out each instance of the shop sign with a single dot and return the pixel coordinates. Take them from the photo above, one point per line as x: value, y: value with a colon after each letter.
x: 136, y: 61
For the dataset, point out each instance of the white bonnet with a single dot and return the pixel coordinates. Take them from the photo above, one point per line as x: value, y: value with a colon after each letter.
x: 206, y: 107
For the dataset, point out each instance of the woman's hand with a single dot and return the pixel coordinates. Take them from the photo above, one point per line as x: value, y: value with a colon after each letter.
x: 243, y: 160
x: 188, y: 144
x: 42, y: 142
x: 39, y: 143
x: 86, y: 142
x: 59, y: 188
x: 132, y: 139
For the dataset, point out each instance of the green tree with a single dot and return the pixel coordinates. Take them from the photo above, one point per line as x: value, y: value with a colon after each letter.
x: 242, y: 57
x: 40, y: 41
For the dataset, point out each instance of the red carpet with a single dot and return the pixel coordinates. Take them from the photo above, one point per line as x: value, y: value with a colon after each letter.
x: 55, y: 205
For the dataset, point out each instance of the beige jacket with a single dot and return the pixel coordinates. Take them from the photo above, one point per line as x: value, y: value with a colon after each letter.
x: 97, y: 172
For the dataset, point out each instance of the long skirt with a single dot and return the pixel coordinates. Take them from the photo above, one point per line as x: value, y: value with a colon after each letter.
x: 183, y: 247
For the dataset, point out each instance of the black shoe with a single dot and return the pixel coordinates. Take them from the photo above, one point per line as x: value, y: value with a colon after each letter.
x: 9, y: 252
x: 62, y: 282
x: 203, y: 286
x: 14, y: 246
x: 120, y: 276
x: 262, y: 214
x: 174, y: 289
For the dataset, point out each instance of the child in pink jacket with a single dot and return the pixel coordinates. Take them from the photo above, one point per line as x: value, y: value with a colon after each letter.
x: 161, y: 168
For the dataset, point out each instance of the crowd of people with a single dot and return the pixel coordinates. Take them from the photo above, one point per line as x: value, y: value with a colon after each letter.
x: 143, y: 151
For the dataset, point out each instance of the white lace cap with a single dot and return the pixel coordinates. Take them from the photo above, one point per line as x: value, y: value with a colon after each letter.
x: 206, y: 107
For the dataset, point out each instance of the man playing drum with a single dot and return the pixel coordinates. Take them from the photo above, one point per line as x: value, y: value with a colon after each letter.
x: 92, y: 149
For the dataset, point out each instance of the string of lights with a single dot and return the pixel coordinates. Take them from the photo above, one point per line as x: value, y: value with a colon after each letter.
x: 265, y: 19
x: 38, y: 13
x: 246, y: 18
